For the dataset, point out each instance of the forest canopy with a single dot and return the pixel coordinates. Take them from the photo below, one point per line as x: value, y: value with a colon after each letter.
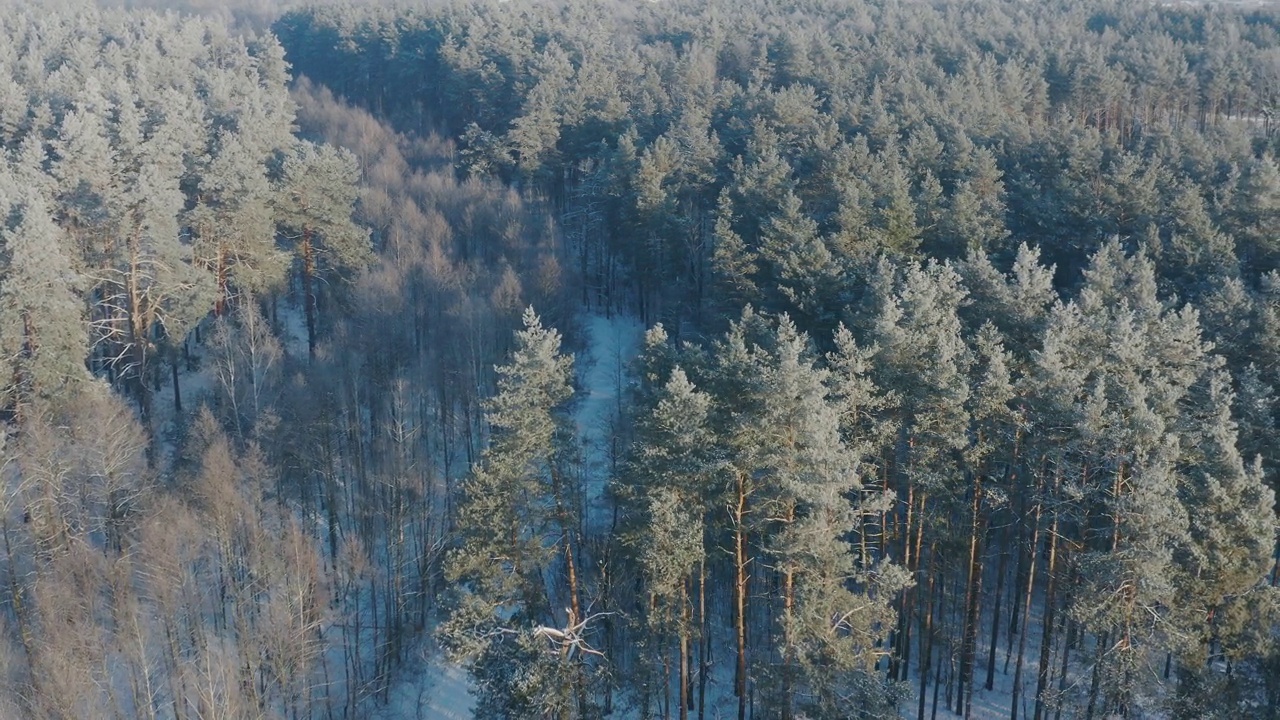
x: 797, y: 360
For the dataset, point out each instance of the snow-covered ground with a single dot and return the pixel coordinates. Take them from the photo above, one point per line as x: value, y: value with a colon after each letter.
x: 986, y: 704
x: 430, y: 688
x: 604, y: 375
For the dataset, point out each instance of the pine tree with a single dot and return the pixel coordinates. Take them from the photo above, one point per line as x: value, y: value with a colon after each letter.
x: 791, y: 476
x: 829, y: 623
x: 516, y: 523
x: 672, y: 467
x: 735, y: 380
x: 232, y: 222
x: 802, y: 268
x: 735, y: 264
x: 922, y: 362
x: 315, y: 197
x: 898, y: 229
x: 43, y: 334
x: 1232, y: 532
x: 1144, y: 461
x: 1255, y: 218
x: 1016, y: 302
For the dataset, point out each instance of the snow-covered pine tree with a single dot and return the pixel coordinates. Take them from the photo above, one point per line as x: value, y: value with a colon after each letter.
x: 671, y: 469
x: 516, y: 628
x: 315, y: 196
x: 43, y: 336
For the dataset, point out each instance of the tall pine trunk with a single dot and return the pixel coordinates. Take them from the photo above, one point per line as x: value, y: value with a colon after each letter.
x: 1001, y: 568
x: 1019, y: 581
x: 915, y: 562
x: 308, y: 296
x: 788, y: 607
x: 704, y: 646
x: 1098, y: 656
x: 900, y: 661
x: 1026, y: 610
x: 1046, y: 643
x: 685, y: 621
x: 220, y: 272
x: 177, y: 390
x: 1066, y: 663
x: 926, y: 633
x: 575, y: 610
x: 740, y: 594
x: 972, y: 601
x: 138, y: 329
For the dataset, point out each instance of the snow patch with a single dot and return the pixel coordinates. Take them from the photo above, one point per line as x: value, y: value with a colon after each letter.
x: 604, y: 374
x: 435, y: 690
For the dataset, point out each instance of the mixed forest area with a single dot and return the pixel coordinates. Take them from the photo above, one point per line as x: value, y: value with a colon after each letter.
x: 559, y: 359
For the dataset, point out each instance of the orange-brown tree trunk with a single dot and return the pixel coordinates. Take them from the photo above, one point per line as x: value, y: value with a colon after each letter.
x: 685, y: 620
x: 219, y: 305
x: 788, y: 642
x: 740, y: 594
x: 308, y: 296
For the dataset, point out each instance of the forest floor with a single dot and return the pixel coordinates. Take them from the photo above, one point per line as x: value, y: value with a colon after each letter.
x: 430, y: 688
x: 986, y: 704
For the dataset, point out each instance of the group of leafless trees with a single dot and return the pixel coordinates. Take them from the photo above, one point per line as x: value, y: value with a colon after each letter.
x: 239, y: 368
